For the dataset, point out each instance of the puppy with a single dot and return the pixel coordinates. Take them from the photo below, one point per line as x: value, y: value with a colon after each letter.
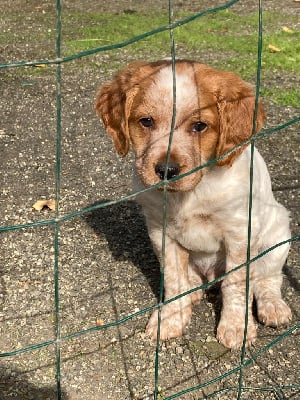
x: 206, y: 231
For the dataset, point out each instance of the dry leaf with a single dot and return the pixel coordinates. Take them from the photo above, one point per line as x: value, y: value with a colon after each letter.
x: 273, y: 49
x: 99, y: 322
x: 287, y: 30
x: 41, y: 204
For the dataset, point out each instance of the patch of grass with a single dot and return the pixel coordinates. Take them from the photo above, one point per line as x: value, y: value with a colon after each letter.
x: 283, y: 97
x: 99, y: 30
x: 224, y: 40
x: 223, y: 32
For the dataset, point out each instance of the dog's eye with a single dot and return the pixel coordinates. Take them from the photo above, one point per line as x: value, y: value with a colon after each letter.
x: 146, y: 122
x: 199, y: 127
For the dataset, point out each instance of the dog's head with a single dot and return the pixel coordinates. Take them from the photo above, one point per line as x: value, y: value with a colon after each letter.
x: 214, y: 113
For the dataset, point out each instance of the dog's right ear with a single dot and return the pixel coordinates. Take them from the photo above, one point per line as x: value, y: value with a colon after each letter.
x: 113, y: 104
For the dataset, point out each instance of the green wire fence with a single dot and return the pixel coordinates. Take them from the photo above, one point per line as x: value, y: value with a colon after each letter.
x: 60, y: 219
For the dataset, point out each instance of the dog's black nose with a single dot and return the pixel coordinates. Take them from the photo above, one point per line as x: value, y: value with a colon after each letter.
x: 173, y: 170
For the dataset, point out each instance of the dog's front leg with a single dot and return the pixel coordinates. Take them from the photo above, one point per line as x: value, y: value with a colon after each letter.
x: 175, y: 315
x: 231, y: 327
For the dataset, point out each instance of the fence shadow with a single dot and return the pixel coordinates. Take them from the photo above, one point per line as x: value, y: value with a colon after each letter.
x: 126, y: 233
x: 14, y: 386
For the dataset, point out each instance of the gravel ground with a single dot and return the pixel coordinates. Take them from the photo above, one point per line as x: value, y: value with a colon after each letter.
x: 106, y: 264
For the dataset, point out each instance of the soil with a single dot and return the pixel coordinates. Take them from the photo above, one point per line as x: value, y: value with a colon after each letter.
x: 107, y: 269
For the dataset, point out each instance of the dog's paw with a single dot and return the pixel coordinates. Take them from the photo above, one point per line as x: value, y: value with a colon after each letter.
x: 275, y: 313
x: 230, y: 333
x: 173, y: 322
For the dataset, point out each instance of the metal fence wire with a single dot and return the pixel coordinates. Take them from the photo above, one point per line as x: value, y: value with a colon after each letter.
x: 59, y: 219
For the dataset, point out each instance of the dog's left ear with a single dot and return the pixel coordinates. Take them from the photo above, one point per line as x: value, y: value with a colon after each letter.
x: 114, y: 100
x: 113, y: 103
x: 235, y: 105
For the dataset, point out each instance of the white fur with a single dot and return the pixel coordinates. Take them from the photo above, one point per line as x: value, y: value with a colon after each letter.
x: 211, y: 222
x: 207, y: 212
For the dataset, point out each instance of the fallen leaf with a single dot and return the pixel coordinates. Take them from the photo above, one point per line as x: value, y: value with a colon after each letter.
x: 99, y: 322
x: 41, y: 204
x: 273, y: 49
x: 287, y: 30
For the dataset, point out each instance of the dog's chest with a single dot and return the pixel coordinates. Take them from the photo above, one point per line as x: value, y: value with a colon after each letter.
x: 195, y: 230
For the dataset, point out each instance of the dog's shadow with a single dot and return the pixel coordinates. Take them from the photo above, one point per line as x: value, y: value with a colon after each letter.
x: 124, y: 228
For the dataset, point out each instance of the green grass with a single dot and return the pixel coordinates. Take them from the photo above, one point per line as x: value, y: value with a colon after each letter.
x: 224, y: 40
x: 289, y: 97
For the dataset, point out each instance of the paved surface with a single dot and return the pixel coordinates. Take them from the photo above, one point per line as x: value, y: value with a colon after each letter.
x: 107, y: 268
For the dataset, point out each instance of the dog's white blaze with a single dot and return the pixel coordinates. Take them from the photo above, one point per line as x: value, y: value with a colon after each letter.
x: 186, y: 93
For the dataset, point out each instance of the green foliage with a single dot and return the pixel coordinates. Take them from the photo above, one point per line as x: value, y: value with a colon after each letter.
x: 283, y: 96
x: 224, y: 40
x: 106, y: 29
x: 225, y: 32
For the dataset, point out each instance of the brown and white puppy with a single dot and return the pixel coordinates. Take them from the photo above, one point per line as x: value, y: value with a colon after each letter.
x: 207, y: 210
